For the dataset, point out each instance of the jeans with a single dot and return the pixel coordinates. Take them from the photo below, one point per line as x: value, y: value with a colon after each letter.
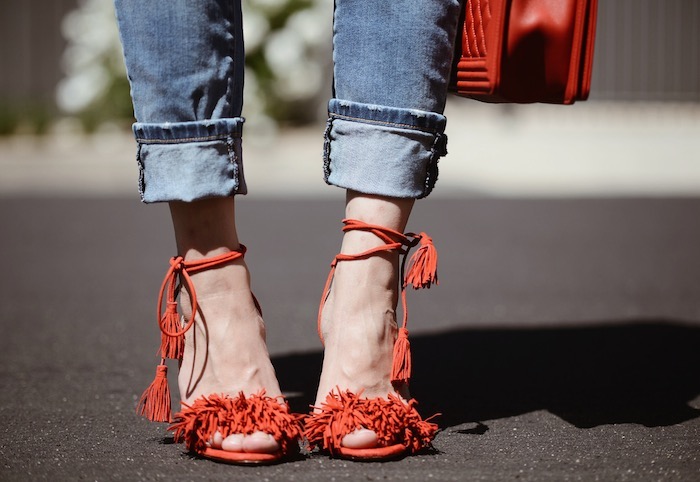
x: 385, y: 131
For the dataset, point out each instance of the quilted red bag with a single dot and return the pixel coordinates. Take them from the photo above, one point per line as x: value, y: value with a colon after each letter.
x: 525, y: 51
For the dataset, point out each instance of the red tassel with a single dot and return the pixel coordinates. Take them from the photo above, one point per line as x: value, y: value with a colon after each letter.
x: 155, y: 401
x: 401, y: 366
x: 171, y: 346
x: 423, y: 270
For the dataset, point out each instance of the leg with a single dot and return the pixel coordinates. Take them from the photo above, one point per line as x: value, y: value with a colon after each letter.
x: 359, y: 320
x: 383, y: 140
x: 185, y: 64
x: 225, y: 352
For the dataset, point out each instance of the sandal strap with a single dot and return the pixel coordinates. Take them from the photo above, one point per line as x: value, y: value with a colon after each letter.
x: 155, y: 401
x: 177, y: 276
x: 421, y: 273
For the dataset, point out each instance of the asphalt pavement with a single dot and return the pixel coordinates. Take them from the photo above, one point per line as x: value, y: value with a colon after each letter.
x: 563, y: 342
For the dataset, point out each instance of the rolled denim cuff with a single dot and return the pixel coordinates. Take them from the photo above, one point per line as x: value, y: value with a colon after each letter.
x: 382, y: 150
x: 186, y: 161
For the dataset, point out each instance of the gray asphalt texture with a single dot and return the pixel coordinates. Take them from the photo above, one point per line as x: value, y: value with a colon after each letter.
x: 563, y: 342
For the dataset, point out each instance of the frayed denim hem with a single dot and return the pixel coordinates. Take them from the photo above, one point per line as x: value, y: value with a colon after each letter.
x: 187, y: 161
x: 383, y: 150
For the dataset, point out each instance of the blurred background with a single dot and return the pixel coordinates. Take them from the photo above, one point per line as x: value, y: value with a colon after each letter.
x: 65, y: 110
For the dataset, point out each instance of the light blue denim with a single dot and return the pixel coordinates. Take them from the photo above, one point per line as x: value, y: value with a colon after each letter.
x: 392, y: 61
x: 385, y: 131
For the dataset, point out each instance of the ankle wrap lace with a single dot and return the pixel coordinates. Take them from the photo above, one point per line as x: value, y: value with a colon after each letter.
x: 419, y: 272
x: 155, y: 401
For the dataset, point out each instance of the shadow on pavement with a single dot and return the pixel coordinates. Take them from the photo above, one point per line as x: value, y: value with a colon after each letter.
x: 642, y: 372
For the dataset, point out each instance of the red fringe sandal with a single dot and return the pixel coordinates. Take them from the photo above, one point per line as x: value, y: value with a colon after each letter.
x: 400, y: 429
x: 197, y: 423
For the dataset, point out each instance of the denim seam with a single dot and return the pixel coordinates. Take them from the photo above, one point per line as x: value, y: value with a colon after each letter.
x: 437, y: 150
x: 381, y: 123
x: 142, y: 180
x: 232, y: 158
x: 231, y: 55
x: 220, y: 137
x: 327, y: 150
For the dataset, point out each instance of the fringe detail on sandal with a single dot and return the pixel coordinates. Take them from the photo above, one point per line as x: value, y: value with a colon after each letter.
x: 401, y: 365
x: 197, y: 423
x: 155, y: 401
x: 423, y: 270
x: 394, y: 422
x: 171, y: 346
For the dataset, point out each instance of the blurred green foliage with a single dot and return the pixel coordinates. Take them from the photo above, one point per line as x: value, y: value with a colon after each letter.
x: 95, y: 90
x: 29, y: 116
x: 114, y: 103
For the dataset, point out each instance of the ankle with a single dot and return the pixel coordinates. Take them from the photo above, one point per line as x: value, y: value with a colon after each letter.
x: 204, y: 228
x: 232, y: 276
x: 388, y: 212
x: 216, y: 284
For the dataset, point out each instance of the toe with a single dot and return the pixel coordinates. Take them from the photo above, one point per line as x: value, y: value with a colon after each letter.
x: 361, y: 438
x: 216, y: 440
x: 233, y: 443
x: 260, y: 442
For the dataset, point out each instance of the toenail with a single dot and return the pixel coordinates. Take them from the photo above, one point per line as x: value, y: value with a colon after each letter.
x: 233, y: 443
x: 360, y: 438
x: 215, y: 440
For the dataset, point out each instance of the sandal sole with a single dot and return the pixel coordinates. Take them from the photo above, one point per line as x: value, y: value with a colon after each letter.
x: 377, y: 454
x: 241, y: 458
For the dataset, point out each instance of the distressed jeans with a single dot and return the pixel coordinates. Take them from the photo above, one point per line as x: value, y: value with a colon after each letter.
x: 385, y: 131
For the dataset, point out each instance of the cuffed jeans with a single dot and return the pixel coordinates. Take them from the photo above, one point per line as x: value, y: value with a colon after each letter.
x: 385, y: 131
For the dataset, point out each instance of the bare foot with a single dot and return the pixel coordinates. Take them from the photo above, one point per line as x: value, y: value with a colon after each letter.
x: 358, y: 322
x: 225, y: 350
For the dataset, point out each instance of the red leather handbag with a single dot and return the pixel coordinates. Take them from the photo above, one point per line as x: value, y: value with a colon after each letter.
x: 524, y: 51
